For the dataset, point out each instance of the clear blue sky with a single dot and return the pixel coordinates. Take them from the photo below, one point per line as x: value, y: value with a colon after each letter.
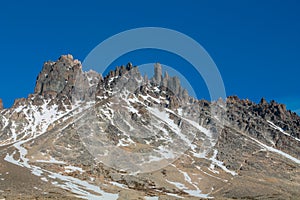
x: 255, y: 44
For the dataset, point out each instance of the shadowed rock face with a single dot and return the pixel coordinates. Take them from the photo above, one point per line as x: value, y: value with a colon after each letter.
x: 58, y: 77
x: 255, y: 157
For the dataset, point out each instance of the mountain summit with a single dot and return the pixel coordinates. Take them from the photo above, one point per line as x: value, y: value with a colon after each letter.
x: 123, y: 136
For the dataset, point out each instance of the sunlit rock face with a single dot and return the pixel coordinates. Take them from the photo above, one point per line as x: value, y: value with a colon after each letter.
x: 124, y: 136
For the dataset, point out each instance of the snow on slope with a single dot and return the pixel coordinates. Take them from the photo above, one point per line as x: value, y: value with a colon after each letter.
x: 268, y: 148
x: 164, y: 117
x: 281, y: 130
x: 41, y: 118
x: 196, y: 192
x: 38, y: 119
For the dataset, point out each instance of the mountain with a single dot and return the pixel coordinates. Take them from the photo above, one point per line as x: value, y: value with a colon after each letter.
x: 125, y: 136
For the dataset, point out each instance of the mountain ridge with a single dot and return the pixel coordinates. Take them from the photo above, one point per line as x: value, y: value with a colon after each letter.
x: 180, y: 147
x: 75, y: 65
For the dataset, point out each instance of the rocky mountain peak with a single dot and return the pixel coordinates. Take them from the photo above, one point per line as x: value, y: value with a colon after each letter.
x: 64, y: 78
x: 58, y: 77
x: 54, y: 141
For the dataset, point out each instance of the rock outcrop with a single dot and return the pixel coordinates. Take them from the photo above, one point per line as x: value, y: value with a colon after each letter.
x: 157, y: 78
x: 1, y: 104
x: 58, y: 77
x: 259, y: 120
x: 249, y: 151
x: 170, y: 83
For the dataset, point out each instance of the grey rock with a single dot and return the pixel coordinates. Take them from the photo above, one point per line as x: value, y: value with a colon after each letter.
x: 58, y: 77
x: 157, y: 74
x: 244, y: 122
x: 165, y: 80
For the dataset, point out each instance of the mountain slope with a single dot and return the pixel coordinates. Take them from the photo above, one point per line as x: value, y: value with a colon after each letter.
x: 125, y: 136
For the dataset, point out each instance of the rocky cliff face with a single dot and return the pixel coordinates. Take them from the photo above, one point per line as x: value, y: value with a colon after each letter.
x: 136, y: 124
x: 58, y: 77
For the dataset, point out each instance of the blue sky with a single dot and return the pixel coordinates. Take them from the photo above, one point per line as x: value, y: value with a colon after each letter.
x: 255, y: 44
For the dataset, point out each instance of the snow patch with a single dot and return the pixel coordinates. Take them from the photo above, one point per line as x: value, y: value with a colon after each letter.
x: 268, y: 148
x: 70, y: 169
x: 281, y: 130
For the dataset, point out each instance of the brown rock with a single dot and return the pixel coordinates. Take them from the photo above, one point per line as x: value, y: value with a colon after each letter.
x: 59, y: 76
x: 19, y: 102
x: 263, y: 101
x: 1, y: 104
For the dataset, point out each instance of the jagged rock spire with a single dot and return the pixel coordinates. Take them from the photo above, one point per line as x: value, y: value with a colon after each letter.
x: 165, y: 79
x: 172, y: 83
x: 176, y: 85
x: 157, y: 73
x: 58, y: 77
x: 64, y: 77
x: 1, y: 104
x: 263, y: 101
